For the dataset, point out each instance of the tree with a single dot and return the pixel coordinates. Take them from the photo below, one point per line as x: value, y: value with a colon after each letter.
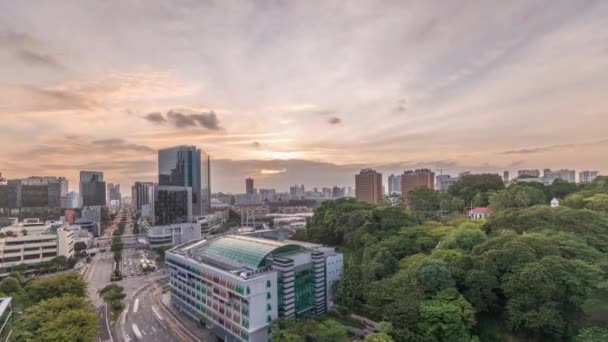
x: 431, y: 276
x: 592, y: 334
x: 79, y: 246
x: 423, y: 201
x: 446, y: 317
x: 67, y: 318
x: 60, y: 262
x: 113, y: 295
x: 56, y: 286
x: 9, y: 285
x: 561, y: 188
x: 469, y: 186
x: 350, y: 289
x: 463, y: 238
x: 331, y: 330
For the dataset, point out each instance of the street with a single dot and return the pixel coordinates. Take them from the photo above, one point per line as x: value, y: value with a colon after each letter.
x: 145, y: 317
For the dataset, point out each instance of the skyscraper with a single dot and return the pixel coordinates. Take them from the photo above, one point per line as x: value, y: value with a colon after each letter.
x: 92, y: 188
x: 142, y: 193
x: 249, y: 186
x: 445, y: 181
x: 114, y: 192
x: 368, y: 186
x: 180, y: 166
x: 505, y: 177
x: 414, y: 179
x: 172, y: 204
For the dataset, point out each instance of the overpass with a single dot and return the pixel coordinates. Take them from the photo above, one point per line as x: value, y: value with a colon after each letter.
x: 124, y: 236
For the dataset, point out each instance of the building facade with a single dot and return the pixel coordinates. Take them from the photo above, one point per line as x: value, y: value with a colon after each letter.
x: 6, y: 318
x: 238, y: 285
x: 587, y: 176
x: 529, y: 173
x: 564, y: 174
x: 444, y: 182
x: 172, y: 204
x: 172, y: 235
x: 142, y: 193
x: 413, y: 179
x: 92, y: 188
x: 249, y: 190
x: 114, y: 193
x: 368, y: 186
x: 33, y: 242
x: 394, y: 184
x: 181, y: 166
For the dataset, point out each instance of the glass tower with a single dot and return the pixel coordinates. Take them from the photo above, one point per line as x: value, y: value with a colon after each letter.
x: 181, y: 166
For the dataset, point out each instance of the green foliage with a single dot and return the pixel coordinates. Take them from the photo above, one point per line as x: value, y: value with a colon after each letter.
x: 592, y: 334
x: 10, y: 285
x: 113, y: 295
x: 309, y: 330
x: 80, y: 246
x: 464, y: 238
x: 475, y: 188
x: 446, y: 317
x: 67, y: 318
x: 519, y: 195
x: 56, y: 286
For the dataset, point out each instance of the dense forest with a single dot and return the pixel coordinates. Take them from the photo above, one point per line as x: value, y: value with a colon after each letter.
x: 528, y: 273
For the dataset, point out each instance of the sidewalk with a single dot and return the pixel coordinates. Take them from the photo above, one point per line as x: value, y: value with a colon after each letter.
x: 193, y: 326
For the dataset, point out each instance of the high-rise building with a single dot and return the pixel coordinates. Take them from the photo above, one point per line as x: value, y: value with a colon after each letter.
x: 142, y: 193
x: 206, y: 184
x: 172, y: 204
x: 417, y: 178
x: 92, y: 188
x: 73, y: 200
x: 297, y: 192
x: 368, y: 186
x: 114, y: 192
x: 549, y: 176
x: 337, y: 192
x: 505, y: 177
x: 530, y: 173
x: 32, y: 192
x: 181, y: 166
x: 444, y: 182
x: 587, y: 176
x: 250, y: 282
x: 394, y: 184
x: 249, y: 186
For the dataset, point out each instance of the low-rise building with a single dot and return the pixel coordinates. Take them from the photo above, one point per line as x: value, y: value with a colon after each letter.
x: 173, y: 234
x: 237, y: 285
x: 479, y: 213
x: 31, y: 243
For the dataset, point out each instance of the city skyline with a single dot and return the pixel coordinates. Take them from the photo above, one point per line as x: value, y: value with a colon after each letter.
x: 302, y: 93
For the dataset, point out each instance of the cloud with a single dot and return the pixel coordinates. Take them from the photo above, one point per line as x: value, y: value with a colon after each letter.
x: 16, y: 39
x: 155, y: 117
x: 39, y: 59
x: 256, y: 144
x: 208, y: 120
x: 29, y: 98
x: 325, y: 112
x: 118, y: 143
x: 334, y: 120
x: 272, y: 171
x: 541, y: 149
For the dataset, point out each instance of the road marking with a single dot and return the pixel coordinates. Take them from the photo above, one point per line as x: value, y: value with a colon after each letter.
x: 136, y: 305
x: 136, y: 331
x: 156, y: 313
x: 124, y: 315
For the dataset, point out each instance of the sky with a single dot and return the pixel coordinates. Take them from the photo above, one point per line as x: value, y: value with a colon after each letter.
x: 304, y: 92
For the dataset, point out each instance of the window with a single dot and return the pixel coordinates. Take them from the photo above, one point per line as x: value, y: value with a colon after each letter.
x: 268, y: 307
x: 268, y: 283
x: 268, y: 296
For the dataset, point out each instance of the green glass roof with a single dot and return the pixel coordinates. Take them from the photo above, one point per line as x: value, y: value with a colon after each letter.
x: 250, y: 252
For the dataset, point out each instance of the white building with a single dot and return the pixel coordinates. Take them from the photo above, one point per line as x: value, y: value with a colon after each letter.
x: 554, y: 203
x: 173, y: 234
x: 550, y: 176
x: 443, y: 182
x: 238, y: 285
x: 587, y: 176
x: 31, y: 243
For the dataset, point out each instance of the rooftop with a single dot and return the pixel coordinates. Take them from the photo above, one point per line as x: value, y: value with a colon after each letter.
x: 234, y: 252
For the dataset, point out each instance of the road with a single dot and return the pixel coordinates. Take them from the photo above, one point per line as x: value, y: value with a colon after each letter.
x: 147, y: 316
